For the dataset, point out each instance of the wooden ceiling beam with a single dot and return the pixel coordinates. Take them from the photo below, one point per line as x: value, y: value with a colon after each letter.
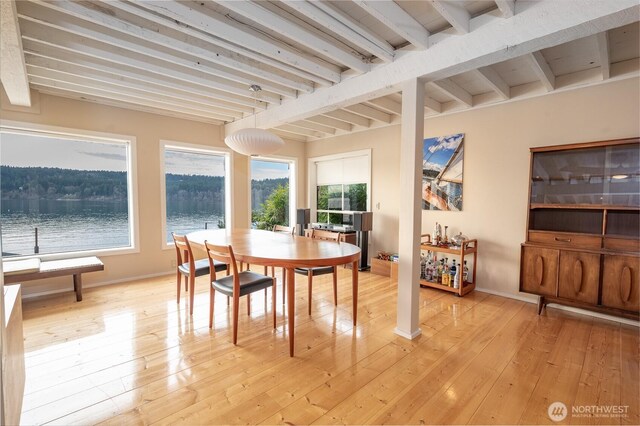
x: 454, y: 13
x: 452, y: 89
x: 331, y: 122
x: 493, y: 79
x: 303, y: 36
x: 388, y: 105
x: 602, y: 40
x: 397, y: 20
x: 13, y: 71
x: 336, y: 21
x: 369, y: 112
x: 349, y: 117
x: 432, y: 104
x: 314, y: 127
x: 542, y: 70
x: 299, y: 131
x: 506, y: 7
x: 199, y: 16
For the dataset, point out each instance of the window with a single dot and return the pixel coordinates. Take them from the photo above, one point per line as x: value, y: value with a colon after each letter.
x: 63, y: 193
x: 341, y: 186
x: 195, y: 188
x: 271, y: 192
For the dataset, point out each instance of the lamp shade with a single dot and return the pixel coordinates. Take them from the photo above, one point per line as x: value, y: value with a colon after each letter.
x: 254, y: 142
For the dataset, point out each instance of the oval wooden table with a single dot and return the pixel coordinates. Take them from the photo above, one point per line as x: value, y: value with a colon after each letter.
x: 286, y: 251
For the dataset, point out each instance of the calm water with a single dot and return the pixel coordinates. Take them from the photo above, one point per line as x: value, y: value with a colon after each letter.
x: 86, y: 225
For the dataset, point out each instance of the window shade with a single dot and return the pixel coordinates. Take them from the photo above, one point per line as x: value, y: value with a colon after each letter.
x: 343, y: 171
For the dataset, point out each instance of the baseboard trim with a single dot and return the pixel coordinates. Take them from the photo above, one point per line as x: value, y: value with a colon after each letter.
x: 96, y: 284
x: 406, y: 335
x: 534, y: 299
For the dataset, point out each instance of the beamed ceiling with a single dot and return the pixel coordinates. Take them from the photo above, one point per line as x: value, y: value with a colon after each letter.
x: 325, y: 67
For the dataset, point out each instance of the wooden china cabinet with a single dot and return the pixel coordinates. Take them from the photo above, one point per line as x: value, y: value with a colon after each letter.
x: 583, y: 230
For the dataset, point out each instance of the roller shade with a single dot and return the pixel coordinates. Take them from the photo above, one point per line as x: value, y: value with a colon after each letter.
x: 343, y: 171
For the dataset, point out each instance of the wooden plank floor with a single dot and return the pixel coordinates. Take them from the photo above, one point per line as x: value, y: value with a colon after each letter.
x: 128, y: 354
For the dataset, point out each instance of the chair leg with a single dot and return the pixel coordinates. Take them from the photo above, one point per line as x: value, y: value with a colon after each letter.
x: 179, y: 280
x: 212, y: 299
x: 310, y: 281
x: 273, y: 302
x: 192, y: 284
x: 248, y: 304
x: 185, y: 284
x: 236, y: 308
x: 335, y: 286
x: 284, y: 285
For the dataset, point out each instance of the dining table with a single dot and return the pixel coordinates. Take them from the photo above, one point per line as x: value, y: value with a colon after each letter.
x: 266, y: 248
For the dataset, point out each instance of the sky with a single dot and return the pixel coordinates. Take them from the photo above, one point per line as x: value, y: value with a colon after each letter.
x: 437, y: 151
x: 190, y: 163
x: 261, y: 169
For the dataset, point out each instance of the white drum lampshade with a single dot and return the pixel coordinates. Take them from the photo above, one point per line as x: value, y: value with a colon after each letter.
x: 254, y: 142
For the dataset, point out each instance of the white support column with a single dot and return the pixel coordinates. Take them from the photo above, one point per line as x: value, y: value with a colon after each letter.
x: 412, y: 135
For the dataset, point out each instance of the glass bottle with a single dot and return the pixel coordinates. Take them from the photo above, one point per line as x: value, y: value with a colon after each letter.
x: 465, y: 273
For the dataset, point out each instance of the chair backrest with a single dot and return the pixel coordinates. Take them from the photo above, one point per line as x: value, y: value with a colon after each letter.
x: 283, y: 229
x: 222, y: 254
x: 319, y: 234
x: 183, y: 251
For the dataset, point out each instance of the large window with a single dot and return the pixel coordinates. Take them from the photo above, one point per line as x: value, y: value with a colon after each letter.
x: 271, y: 192
x: 341, y: 186
x: 64, y: 193
x: 195, y: 183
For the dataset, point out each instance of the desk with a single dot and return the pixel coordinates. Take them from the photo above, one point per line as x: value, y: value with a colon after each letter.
x: 284, y: 250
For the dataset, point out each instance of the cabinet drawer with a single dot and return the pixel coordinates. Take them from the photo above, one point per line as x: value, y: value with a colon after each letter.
x: 539, y: 271
x: 621, y: 282
x: 566, y: 240
x: 623, y: 244
x: 579, y: 276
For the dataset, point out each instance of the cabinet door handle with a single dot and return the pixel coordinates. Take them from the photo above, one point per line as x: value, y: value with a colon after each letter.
x: 625, y: 284
x: 577, y: 276
x: 562, y: 240
x: 539, y: 271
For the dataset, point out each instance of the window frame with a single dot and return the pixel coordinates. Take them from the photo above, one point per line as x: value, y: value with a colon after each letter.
x: 132, y: 181
x: 312, y: 193
x: 293, y: 178
x: 194, y: 149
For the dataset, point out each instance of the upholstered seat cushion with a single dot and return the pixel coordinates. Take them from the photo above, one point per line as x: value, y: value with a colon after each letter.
x: 320, y: 270
x: 202, y: 267
x: 249, y: 282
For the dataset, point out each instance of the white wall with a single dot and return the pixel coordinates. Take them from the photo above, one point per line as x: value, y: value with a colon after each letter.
x: 496, y: 166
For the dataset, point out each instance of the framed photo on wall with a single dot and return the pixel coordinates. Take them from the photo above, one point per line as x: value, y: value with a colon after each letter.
x: 442, y: 160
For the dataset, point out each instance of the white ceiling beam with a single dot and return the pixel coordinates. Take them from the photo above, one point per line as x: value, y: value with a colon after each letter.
x: 13, y: 72
x: 57, y: 17
x: 331, y: 122
x: 314, y: 127
x: 247, y: 60
x: 189, y: 45
x: 387, y: 105
x: 369, y: 112
x: 432, y: 104
x: 397, y: 20
x: 542, y: 70
x: 564, y: 21
x: 84, y: 97
x: 285, y: 26
x: 299, y: 131
x: 506, y: 7
x: 70, y: 87
x: 452, y: 89
x: 72, y: 72
x: 349, y: 117
x: 454, y: 13
x: 44, y: 31
x: 493, y: 79
x: 287, y: 135
x: 334, y: 20
x: 205, y: 19
x: 602, y: 40
x: 37, y: 51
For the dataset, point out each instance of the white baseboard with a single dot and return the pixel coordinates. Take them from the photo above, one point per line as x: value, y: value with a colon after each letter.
x: 96, y: 284
x: 534, y: 299
x: 406, y: 335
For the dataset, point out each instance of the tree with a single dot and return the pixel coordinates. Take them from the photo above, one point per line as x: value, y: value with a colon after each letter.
x: 274, y: 210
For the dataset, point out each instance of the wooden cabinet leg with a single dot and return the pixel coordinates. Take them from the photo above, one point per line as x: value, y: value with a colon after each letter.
x: 540, y: 304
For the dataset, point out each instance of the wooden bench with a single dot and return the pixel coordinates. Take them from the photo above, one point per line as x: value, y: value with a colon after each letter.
x: 33, y: 269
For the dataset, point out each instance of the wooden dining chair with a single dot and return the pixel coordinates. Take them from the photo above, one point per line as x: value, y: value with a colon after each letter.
x: 321, y: 270
x: 239, y: 283
x: 189, y: 268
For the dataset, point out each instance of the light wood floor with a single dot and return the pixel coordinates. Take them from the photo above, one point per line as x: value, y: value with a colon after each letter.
x: 128, y: 354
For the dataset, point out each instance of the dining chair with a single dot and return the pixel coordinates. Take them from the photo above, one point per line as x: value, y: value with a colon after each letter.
x: 239, y: 283
x: 321, y: 270
x: 189, y: 268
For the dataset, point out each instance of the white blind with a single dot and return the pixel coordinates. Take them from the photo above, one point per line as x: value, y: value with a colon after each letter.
x: 343, y: 171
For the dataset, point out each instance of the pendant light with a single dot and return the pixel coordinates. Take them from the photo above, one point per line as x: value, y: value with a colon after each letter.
x: 254, y: 141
